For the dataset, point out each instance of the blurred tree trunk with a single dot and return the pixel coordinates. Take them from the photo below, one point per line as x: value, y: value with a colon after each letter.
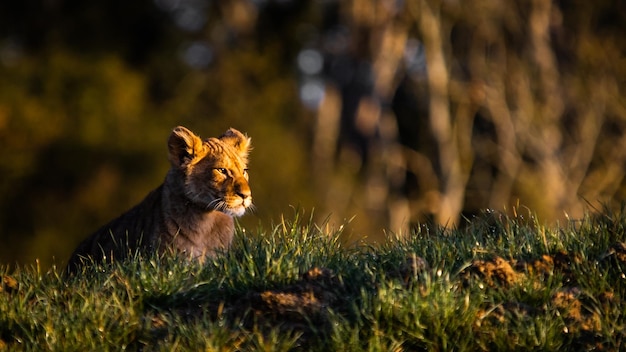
x: 378, y: 44
x: 451, y: 134
x: 518, y: 104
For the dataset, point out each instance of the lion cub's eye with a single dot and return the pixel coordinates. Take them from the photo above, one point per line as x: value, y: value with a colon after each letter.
x: 222, y: 170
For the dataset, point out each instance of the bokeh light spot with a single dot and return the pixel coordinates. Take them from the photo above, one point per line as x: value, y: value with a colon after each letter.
x: 310, y: 61
x: 312, y: 92
x: 198, y: 55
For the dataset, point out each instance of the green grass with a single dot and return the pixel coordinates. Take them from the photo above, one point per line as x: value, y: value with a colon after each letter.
x: 501, y: 283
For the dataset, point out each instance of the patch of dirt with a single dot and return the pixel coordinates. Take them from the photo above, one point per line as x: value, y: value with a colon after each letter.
x: 297, y: 304
x: 543, y: 266
x: 569, y: 305
x: 494, y: 272
x: 300, y: 307
x: 9, y: 284
x: 579, y: 320
x: 501, y: 272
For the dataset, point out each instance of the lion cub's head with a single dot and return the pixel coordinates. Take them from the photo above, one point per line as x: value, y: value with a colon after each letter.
x: 214, y: 171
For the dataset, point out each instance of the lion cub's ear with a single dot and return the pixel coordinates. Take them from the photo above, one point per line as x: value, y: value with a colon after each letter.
x: 183, y: 146
x: 237, y: 140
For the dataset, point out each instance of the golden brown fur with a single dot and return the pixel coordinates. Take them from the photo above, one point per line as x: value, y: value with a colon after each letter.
x: 191, y: 212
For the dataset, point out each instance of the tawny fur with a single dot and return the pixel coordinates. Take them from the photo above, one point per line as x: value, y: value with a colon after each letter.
x: 191, y: 213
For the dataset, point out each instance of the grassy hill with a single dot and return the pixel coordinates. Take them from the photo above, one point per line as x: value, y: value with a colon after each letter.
x: 501, y: 283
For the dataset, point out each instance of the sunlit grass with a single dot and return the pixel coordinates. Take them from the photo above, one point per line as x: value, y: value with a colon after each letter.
x: 501, y: 283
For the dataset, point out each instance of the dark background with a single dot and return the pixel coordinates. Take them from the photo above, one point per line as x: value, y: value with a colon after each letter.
x: 391, y: 112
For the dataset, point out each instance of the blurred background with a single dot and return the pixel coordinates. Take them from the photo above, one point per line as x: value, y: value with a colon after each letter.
x: 387, y: 112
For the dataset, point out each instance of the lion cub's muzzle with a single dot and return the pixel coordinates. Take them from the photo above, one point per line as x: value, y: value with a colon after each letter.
x: 238, y: 204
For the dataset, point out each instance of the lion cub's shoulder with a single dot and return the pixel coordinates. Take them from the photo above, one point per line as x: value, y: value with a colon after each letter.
x: 191, y: 212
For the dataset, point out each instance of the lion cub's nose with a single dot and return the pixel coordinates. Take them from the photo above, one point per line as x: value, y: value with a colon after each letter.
x: 246, y: 199
x: 245, y: 194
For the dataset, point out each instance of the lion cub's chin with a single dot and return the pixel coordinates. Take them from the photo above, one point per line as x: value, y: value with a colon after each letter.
x: 236, y: 211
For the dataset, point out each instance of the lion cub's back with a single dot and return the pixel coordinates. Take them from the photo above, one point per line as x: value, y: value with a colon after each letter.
x: 135, y: 230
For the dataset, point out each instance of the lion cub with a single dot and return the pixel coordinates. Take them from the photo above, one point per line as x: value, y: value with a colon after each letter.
x: 191, y: 212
